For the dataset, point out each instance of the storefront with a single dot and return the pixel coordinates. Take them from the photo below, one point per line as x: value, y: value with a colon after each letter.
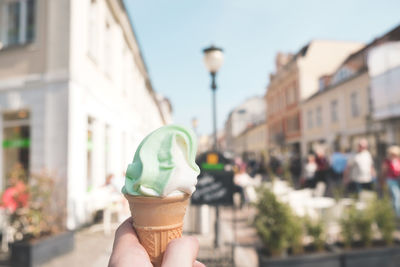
x: 16, y: 142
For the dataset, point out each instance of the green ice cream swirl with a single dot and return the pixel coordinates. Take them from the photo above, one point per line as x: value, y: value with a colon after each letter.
x: 155, y: 161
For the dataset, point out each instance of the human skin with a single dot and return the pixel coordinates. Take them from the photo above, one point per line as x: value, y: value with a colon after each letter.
x: 128, y: 252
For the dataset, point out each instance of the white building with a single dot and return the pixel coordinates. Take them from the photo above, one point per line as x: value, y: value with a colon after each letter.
x: 384, y: 70
x: 250, y: 112
x: 75, y: 95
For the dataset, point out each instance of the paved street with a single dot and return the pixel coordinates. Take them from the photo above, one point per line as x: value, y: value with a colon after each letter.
x: 93, y: 248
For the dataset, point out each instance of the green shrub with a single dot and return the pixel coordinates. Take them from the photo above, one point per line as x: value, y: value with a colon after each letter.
x: 296, y: 234
x: 357, y: 224
x: 276, y: 224
x: 316, y: 230
x: 347, y: 226
x: 363, y: 225
x: 385, y: 219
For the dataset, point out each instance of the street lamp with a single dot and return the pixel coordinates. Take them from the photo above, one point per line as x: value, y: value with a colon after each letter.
x: 213, y: 59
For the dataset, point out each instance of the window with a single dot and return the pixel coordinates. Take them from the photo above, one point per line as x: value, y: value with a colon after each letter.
x: 321, y: 84
x: 318, y: 116
x: 106, y: 150
x: 342, y: 74
x: 92, y: 30
x: 16, y: 142
x: 355, y: 106
x: 291, y: 95
x: 292, y: 124
x: 17, y: 26
x: 309, y: 119
x: 334, y: 111
x: 108, y: 57
x: 89, y: 154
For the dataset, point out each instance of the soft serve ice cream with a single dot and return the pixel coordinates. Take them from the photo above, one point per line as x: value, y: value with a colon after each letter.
x: 164, y: 164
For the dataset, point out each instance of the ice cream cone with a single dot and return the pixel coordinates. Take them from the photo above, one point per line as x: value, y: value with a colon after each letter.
x: 157, y: 221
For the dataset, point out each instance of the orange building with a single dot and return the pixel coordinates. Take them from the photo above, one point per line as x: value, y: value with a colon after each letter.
x: 295, y: 79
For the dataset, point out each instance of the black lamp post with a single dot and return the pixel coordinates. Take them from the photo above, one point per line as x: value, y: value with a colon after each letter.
x: 213, y: 59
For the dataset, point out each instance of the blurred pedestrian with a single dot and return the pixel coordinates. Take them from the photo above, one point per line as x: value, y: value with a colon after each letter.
x: 295, y: 169
x: 310, y: 168
x: 360, y: 171
x: 338, y: 166
x: 391, y: 173
x: 244, y: 184
x: 321, y: 174
x: 275, y: 165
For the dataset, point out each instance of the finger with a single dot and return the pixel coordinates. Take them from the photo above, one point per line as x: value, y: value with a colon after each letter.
x: 198, y: 264
x: 181, y: 252
x: 127, y: 251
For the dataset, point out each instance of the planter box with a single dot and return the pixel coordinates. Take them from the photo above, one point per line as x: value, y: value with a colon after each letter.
x: 372, y: 257
x: 35, y: 253
x: 306, y: 260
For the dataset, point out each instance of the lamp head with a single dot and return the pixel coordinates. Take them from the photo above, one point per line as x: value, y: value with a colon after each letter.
x: 213, y: 58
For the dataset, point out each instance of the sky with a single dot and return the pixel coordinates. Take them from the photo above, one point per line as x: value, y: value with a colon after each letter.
x: 173, y: 33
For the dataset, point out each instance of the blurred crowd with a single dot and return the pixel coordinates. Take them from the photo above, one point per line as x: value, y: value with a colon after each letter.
x: 336, y: 174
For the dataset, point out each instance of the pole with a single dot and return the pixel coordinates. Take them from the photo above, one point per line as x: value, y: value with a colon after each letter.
x: 214, y: 89
x: 215, y: 147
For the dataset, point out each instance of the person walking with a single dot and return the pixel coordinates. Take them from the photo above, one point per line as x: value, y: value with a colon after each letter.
x: 391, y: 173
x: 360, y: 171
x: 321, y: 174
x: 338, y: 166
x: 310, y: 168
x: 295, y: 169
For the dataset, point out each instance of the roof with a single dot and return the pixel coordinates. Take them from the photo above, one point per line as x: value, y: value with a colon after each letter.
x: 392, y: 35
x: 330, y: 87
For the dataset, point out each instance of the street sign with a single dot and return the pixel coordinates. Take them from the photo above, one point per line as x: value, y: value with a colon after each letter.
x: 215, y: 182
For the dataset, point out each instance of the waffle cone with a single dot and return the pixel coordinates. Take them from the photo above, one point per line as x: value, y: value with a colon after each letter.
x: 157, y: 221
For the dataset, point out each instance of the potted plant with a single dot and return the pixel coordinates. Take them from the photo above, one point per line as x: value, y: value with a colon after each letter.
x: 357, y: 232
x: 282, y: 234
x: 37, y: 217
x: 315, y: 229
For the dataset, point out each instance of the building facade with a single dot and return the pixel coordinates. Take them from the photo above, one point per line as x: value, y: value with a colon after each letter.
x: 337, y: 116
x: 252, y: 142
x: 75, y: 95
x: 340, y: 113
x: 384, y: 70
x: 248, y: 113
x: 295, y: 79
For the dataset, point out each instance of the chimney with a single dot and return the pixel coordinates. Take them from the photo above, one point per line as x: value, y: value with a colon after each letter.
x: 282, y: 59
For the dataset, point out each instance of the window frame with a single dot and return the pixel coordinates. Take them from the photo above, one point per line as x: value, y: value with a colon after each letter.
x: 318, y: 116
x: 310, y: 121
x: 355, y: 104
x: 334, y: 111
x: 24, y: 36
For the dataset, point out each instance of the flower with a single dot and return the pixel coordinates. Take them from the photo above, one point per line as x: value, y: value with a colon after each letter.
x: 15, y: 197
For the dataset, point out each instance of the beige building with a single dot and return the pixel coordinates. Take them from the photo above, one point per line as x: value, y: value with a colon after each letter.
x: 295, y: 79
x: 252, y: 142
x: 340, y: 113
x: 75, y: 95
x: 250, y: 112
x: 337, y: 115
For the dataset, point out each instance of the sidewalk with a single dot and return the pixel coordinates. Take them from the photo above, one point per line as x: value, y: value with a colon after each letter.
x: 93, y: 247
x: 245, y: 240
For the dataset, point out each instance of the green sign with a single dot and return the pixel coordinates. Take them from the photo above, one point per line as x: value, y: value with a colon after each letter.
x: 209, y: 166
x: 89, y: 144
x: 17, y: 143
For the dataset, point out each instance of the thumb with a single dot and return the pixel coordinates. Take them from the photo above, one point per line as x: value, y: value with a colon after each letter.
x: 181, y: 252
